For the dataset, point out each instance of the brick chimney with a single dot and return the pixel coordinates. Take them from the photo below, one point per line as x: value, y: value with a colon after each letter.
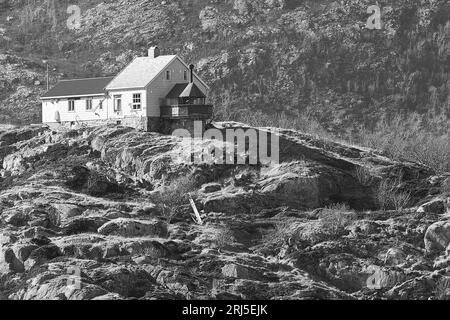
x: 192, y: 72
x: 153, y: 52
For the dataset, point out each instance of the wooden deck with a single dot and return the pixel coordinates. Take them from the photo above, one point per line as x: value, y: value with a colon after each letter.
x: 187, y: 111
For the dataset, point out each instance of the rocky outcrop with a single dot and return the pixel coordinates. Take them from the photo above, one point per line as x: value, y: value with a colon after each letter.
x: 437, y: 237
x: 134, y: 228
x: 104, y: 213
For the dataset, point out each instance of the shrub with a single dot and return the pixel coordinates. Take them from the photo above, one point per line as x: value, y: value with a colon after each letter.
x: 413, y: 138
x: 445, y: 188
x: 409, y: 138
x: 281, y: 235
x: 383, y: 194
x: 442, y: 291
x: 389, y: 197
x: 224, y: 237
x: 400, y: 200
x: 176, y: 195
x: 364, y: 176
x: 302, y: 122
x: 335, y: 219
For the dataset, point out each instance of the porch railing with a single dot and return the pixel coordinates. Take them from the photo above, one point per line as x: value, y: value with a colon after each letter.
x: 204, y: 111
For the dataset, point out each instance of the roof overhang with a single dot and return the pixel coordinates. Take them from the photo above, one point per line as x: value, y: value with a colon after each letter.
x: 76, y: 96
x: 125, y: 89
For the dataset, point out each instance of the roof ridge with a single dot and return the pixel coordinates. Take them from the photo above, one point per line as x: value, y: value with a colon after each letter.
x: 87, y: 78
x: 163, y: 55
x: 167, y: 60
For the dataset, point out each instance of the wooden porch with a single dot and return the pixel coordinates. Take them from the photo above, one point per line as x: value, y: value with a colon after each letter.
x: 187, y: 111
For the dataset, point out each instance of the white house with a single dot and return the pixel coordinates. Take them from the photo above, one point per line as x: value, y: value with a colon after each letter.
x: 153, y: 93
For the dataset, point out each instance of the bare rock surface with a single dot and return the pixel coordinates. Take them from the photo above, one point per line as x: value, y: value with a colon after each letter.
x: 89, y: 214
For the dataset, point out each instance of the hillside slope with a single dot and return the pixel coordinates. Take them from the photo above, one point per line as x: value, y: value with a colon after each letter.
x: 108, y: 208
x: 292, y: 57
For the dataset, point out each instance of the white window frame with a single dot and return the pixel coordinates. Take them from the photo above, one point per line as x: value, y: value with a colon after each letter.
x: 71, y: 106
x: 89, y: 104
x: 137, y: 101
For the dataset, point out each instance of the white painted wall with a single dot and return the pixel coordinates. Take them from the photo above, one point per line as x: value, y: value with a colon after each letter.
x: 50, y: 107
x: 160, y: 87
x: 127, y: 102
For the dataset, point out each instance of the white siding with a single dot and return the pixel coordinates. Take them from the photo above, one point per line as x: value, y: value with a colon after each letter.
x: 50, y: 107
x: 160, y: 87
x: 127, y: 102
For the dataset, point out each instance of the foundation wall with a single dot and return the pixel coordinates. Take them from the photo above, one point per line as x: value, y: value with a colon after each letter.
x: 149, y: 124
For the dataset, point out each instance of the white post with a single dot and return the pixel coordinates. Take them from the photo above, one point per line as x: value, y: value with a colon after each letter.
x: 47, y: 74
x: 48, y: 78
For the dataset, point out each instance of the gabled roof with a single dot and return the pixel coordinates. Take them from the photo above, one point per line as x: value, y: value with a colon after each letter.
x: 142, y: 71
x: 78, y: 87
x: 192, y: 91
x: 176, y: 91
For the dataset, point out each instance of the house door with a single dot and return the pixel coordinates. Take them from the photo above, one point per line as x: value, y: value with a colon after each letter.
x: 118, y: 103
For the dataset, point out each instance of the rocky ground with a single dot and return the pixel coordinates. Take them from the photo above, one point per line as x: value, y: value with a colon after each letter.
x: 21, y: 84
x: 102, y: 213
x: 309, y: 58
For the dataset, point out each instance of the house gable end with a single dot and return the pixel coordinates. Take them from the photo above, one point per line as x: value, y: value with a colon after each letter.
x: 185, y: 65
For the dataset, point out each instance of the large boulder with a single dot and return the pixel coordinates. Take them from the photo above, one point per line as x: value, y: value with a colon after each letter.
x: 22, y: 160
x: 229, y: 201
x: 83, y: 225
x: 436, y: 206
x: 395, y: 257
x: 44, y: 218
x: 58, y: 282
x: 91, y: 182
x: 383, y: 278
x: 437, y: 237
x: 129, y: 281
x: 295, y: 188
x: 134, y: 228
x: 238, y: 271
x: 42, y: 255
x: 16, y: 218
x: 67, y: 211
x: 211, y: 187
x: 9, y: 262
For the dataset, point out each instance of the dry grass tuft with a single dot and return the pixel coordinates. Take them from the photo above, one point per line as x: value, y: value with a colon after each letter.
x: 389, y: 197
x: 175, y: 196
x: 335, y: 219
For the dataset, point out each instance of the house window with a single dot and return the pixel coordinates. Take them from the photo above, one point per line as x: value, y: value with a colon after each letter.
x: 117, y: 103
x: 100, y: 105
x: 185, y: 74
x: 89, y: 105
x: 167, y: 74
x: 136, y: 101
x: 71, y: 106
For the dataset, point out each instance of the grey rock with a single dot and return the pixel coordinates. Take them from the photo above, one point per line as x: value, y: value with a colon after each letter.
x: 134, y: 228
x: 437, y: 237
